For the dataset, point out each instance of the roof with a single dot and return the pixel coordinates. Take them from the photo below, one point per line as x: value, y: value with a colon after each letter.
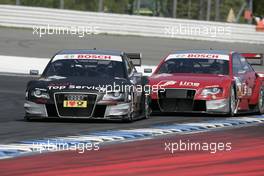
x: 91, y: 51
x: 224, y: 52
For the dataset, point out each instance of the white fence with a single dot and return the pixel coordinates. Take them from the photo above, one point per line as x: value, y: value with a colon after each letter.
x: 27, y: 17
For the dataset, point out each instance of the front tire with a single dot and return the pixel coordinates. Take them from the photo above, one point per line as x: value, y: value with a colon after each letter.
x: 130, y: 117
x: 232, y: 102
x: 27, y: 117
x: 260, y: 105
x: 146, y: 107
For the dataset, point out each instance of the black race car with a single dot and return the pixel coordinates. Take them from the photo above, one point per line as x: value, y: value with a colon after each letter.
x: 96, y: 84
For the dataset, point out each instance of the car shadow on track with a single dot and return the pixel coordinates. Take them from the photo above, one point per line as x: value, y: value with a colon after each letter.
x: 76, y: 120
x: 154, y: 116
x: 193, y: 115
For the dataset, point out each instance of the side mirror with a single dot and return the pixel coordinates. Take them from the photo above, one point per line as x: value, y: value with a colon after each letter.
x: 138, y: 74
x: 135, y: 58
x: 147, y: 70
x: 242, y: 72
x: 34, y: 72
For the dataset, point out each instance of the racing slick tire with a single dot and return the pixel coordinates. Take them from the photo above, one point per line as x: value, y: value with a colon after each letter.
x: 260, y: 105
x: 28, y: 119
x: 128, y: 118
x: 232, y: 102
x: 145, y: 103
x: 146, y: 110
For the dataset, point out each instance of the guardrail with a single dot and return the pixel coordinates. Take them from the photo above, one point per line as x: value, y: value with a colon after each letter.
x: 27, y: 17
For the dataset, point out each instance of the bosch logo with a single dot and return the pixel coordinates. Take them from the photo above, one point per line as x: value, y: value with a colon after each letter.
x: 93, y: 56
x: 213, y: 56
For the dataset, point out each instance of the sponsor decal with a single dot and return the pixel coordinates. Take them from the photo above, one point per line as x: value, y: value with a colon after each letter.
x: 93, y: 56
x: 179, y: 83
x: 168, y: 83
x: 69, y: 56
x: 189, y: 84
x: 88, y: 56
x: 74, y: 104
x: 242, y: 88
x: 198, y: 56
x: 76, y: 87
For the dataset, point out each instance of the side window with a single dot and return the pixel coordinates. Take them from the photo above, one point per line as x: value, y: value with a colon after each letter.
x: 237, y: 65
x: 245, y: 64
x: 128, y: 66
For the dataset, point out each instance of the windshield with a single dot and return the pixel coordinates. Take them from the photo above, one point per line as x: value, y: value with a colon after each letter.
x: 199, y: 66
x: 85, y: 68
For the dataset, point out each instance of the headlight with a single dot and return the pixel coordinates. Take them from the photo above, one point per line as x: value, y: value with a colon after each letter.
x: 40, y: 93
x: 211, y: 91
x: 114, y: 96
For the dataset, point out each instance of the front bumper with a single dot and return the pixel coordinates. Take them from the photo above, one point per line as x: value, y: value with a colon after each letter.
x: 220, y: 106
x: 217, y: 106
x: 34, y: 110
x: 118, y: 110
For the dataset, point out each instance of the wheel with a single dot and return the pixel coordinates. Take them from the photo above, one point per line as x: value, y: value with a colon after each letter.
x: 260, y: 105
x: 232, y: 102
x: 128, y: 118
x: 28, y: 119
x: 146, y: 107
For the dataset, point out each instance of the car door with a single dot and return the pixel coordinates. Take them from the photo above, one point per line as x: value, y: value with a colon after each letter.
x: 249, y: 76
x: 135, y: 78
x: 243, y: 77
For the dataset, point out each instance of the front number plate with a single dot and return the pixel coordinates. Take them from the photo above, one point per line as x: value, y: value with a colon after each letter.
x: 74, y: 104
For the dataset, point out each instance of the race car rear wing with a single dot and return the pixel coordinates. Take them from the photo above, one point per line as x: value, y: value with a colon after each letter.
x: 135, y: 58
x: 254, y: 58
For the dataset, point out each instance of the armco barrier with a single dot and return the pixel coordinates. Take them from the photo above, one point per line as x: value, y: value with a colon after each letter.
x: 27, y: 17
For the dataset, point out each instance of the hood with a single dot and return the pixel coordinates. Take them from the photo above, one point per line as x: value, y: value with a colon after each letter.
x: 192, y: 81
